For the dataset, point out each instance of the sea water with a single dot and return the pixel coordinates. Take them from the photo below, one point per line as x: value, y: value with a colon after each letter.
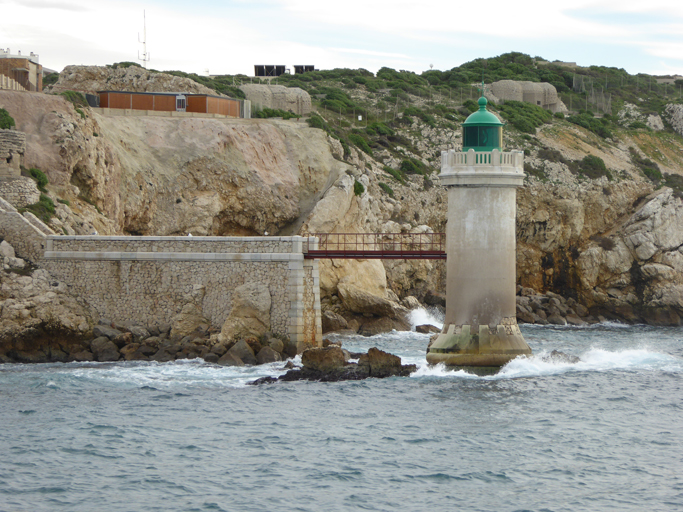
x: 604, y: 434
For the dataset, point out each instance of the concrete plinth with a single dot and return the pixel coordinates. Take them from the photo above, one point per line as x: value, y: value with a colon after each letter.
x: 480, y: 327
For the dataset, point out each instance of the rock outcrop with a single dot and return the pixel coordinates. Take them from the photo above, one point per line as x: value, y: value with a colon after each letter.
x: 91, y: 79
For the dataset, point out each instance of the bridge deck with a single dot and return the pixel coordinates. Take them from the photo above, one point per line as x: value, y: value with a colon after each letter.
x: 401, y: 246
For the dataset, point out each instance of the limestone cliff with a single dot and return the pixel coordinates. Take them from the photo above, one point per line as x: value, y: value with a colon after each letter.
x: 613, y: 245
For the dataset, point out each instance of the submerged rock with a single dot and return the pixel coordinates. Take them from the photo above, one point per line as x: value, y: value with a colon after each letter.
x: 560, y: 357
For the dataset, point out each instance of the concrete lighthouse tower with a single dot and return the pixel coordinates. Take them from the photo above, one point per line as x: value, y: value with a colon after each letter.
x: 480, y: 328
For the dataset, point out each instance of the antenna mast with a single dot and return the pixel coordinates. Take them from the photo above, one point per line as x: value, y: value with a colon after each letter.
x: 145, y: 56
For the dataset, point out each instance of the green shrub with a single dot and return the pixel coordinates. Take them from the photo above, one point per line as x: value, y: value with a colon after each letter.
x: 316, y: 121
x: 76, y: 98
x: 649, y: 168
x: 381, y: 129
x: 600, y: 127
x: 594, y: 167
x: 525, y: 116
x: 386, y: 188
x: 44, y: 209
x: 50, y: 79
x: 6, y: 120
x: 471, y: 105
x: 558, y: 115
x: 124, y: 64
x: 414, y: 166
x: 638, y: 125
x: 64, y: 201
x: 358, y: 188
x: 397, y: 175
x: 529, y: 170
x: 39, y: 177
x: 674, y: 181
x: 266, y: 113
x: 359, y: 141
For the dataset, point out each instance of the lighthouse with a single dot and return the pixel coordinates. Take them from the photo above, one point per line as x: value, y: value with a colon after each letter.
x: 480, y: 327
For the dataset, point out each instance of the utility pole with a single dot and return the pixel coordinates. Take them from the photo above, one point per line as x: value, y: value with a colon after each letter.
x: 145, y: 56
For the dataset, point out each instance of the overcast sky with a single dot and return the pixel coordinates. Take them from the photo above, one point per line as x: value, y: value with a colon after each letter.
x: 230, y: 36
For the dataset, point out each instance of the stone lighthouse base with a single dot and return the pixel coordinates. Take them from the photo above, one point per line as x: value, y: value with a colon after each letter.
x: 478, y: 346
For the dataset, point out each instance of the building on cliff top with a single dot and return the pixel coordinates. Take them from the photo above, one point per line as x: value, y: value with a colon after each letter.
x: 20, y: 72
x: 175, y: 102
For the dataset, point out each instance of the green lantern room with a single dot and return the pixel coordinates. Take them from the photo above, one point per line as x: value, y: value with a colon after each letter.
x: 482, y: 131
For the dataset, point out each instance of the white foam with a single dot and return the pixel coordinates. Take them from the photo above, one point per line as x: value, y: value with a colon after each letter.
x: 593, y: 360
x: 421, y: 316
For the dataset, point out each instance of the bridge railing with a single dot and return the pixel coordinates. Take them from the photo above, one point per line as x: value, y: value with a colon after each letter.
x: 377, y: 245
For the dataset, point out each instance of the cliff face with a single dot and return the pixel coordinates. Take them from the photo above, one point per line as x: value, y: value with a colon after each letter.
x: 165, y: 176
x: 613, y: 245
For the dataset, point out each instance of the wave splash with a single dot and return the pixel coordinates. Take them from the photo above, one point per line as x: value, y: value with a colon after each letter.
x: 540, y: 365
x: 421, y: 316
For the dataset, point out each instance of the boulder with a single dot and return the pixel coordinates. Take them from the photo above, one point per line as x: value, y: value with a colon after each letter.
x: 243, y: 351
x: 333, y: 322
x: 230, y: 359
x: 250, y: 313
x: 276, y: 344
x: 267, y: 355
x: 381, y: 364
x: 163, y: 355
x: 575, y: 320
x: 384, y: 324
x: 139, y: 333
x: 187, y: 321
x: 106, y: 331
x: 82, y: 356
x: 291, y: 348
x: 556, y: 319
x: 411, y: 302
x: 524, y: 314
x: 560, y: 357
x: 427, y: 329
x: 323, y: 359
x: 210, y: 357
x: 359, y: 301
x: 123, y: 339
x: 104, y: 350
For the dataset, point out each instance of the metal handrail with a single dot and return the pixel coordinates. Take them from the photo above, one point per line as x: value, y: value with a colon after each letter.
x: 376, y: 245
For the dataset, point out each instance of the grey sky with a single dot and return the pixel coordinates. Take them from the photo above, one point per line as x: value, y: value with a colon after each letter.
x: 231, y: 36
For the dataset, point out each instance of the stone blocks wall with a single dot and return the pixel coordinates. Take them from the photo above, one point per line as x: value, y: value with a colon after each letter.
x: 12, y: 148
x: 150, y: 279
x: 19, y: 191
x: 28, y: 241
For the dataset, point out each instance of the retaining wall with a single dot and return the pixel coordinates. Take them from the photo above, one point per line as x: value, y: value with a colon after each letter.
x: 149, y: 280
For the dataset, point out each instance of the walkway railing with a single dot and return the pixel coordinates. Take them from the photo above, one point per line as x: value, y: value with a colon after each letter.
x: 408, y: 246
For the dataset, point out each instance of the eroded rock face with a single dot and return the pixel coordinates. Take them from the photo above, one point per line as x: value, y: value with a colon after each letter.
x: 637, y: 274
x: 37, y: 313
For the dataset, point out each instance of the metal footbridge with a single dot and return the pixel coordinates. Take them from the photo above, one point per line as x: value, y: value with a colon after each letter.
x: 381, y: 246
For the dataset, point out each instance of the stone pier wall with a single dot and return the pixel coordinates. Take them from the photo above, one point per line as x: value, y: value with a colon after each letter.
x: 149, y: 280
x: 12, y: 148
